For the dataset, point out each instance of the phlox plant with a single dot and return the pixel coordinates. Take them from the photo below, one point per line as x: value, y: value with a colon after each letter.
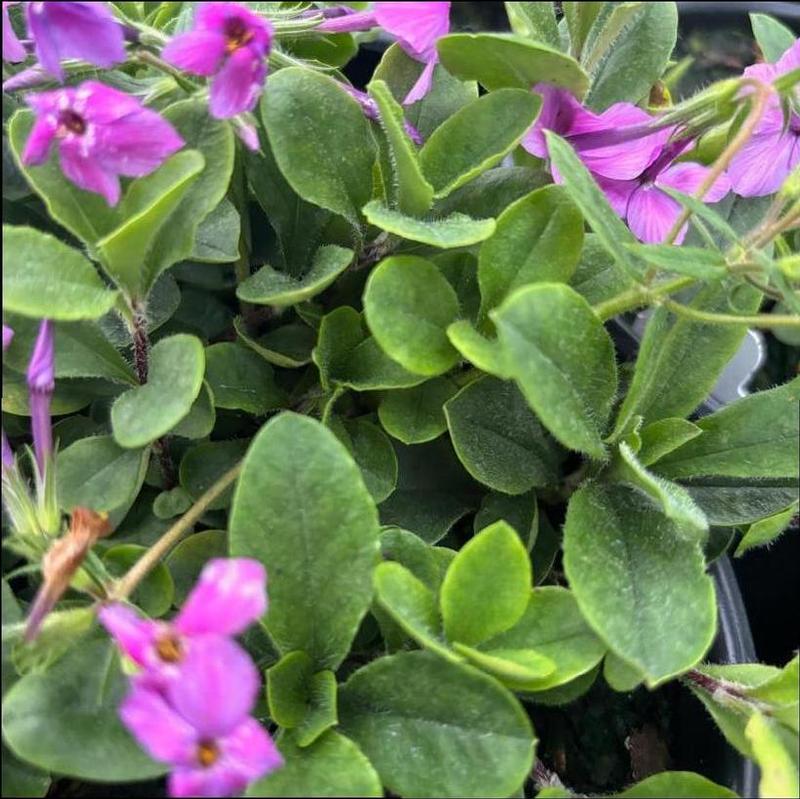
x: 322, y: 472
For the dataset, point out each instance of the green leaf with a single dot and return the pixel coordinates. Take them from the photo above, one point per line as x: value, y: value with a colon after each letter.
x: 775, y: 752
x: 414, y: 415
x: 330, y: 165
x: 408, y: 305
x: 435, y: 728
x: 621, y: 676
x: 200, y: 420
x: 477, y: 137
x: 409, y: 550
x: 675, y: 501
x: 373, y: 452
x: 677, y: 784
x: 487, y: 587
x: 269, y: 287
x: 498, y: 60
x: 680, y: 359
x: 155, y: 592
x: 432, y: 492
x: 662, y: 437
x: 69, y: 396
x: 539, y: 238
x: 143, y: 414
x: 638, y: 584
x: 241, y: 380
x: 186, y: 561
x: 520, y: 511
x: 580, y: 17
x: 597, y: 276
x: 171, y: 503
x: 568, y: 693
x: 348, y: 356
x: 610, y: 230
x: 446, y: 96
x: 302, y: 509
x: 332, y: 766
x: 552, y: 626
x: 43, y: 277
x: 205, y: 463
x: 217, y: 237
x: 766, y: 530
x: 97, y: 473
x: 455, y: 230
x: 498, y: 438
x: 772, y: 36
x: 753, y: 437
x: 213, y: 138
x: 66, y: 719
x: 485, y: 353
x: 693, y: 261
x: 21, y: 779
x: 145, y: 211
x: 83, y: 213
x: 563, y: 360
x: 461, y: 270
x: 414, y: 195
x: 411, y: 604
x: 288, y: 346
x: 513, y: 667
x: 536, y: 21
x: 627, y: 50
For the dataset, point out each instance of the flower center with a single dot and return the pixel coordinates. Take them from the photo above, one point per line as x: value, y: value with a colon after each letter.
x: 237, y: 34
x: 71, y: 122
x: 207, y: 753
x: 169, y: 648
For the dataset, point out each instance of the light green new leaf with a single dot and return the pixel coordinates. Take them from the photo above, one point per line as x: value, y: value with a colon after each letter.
x: 455, y: 230
x: 485, y: 353
x: 414, y: 195
x: 677, y: 785
x: 535, y: 21
x: 66, y: 719
x: 520, y: 511
x: 270, y: 287
x: 498, y: 60
x: 753, y: 437
x: 436, y: 728
x: 539, y: 238
x: 408, y: 305
x: 487, y: 586
x: 696, y: 262
x: 563, y: 360
x: 301, y: 508
x: 43, y: 277
x: 638, y: 583
x: 513, y: 667
x: 330, y: 165
x: 662, y: 437
x: 552, y: 626
x: 621, y: 676
x: 477, y: 137
x: 144, y: 211
x: 766, y: 530
x: 775, y: 750
x: 580, y: 17
x: 499, y: 439
x: 773, y: 37
x: 414, y: 415
x: 331, y: 766
x: 241, y: 380
x: 143, y: 414
x: 97, y: 473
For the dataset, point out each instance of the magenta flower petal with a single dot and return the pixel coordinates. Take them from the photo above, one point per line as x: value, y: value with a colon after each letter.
x: 157, y: 727
x: 790, y: 59
x: 8, y: 337
x: 618, y: 192
x: 416, y: 26
x: 349, y: 23
x: 558, y: 110
x: 238, y: 84
x: 423, y: 84
x: 134, y: 635
x: 13, y: 51
x: 7, y: 453
x: 199, y: 52
x: 206, y: 782
x: 217, y: 686
x: 98, y: 103
x: 651, y: 215
x: 230, y: 595
x: 87, y: 173
x: 41, y: 385
x: 87, y: 31
x: 686, y: 178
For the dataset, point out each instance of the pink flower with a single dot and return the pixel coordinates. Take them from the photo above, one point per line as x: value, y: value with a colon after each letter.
x: 87, y: 31
x: 7, y: 454
x: 230, y: 42
x: 229, y: 596
x: 13, y: 51
x: 202, y: 726
x: 101, y: 134
x: 773, y: 150
x: 586, y: 131
x: 416, y: 26
x: 41, y: 385
x: 651, y: 212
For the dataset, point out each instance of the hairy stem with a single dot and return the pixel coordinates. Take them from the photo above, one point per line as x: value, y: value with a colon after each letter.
x: 160, y: 548
x: 639, y: 296
x: 756, y: 320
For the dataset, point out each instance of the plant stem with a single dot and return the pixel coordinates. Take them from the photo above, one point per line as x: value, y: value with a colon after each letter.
x: 726, y: 691
x: 153, y: 555
x: 638, y: 296
x: 152, y: 60
x: 757, y: 320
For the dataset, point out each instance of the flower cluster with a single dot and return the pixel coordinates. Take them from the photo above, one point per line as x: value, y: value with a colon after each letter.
x: 190, y: 703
